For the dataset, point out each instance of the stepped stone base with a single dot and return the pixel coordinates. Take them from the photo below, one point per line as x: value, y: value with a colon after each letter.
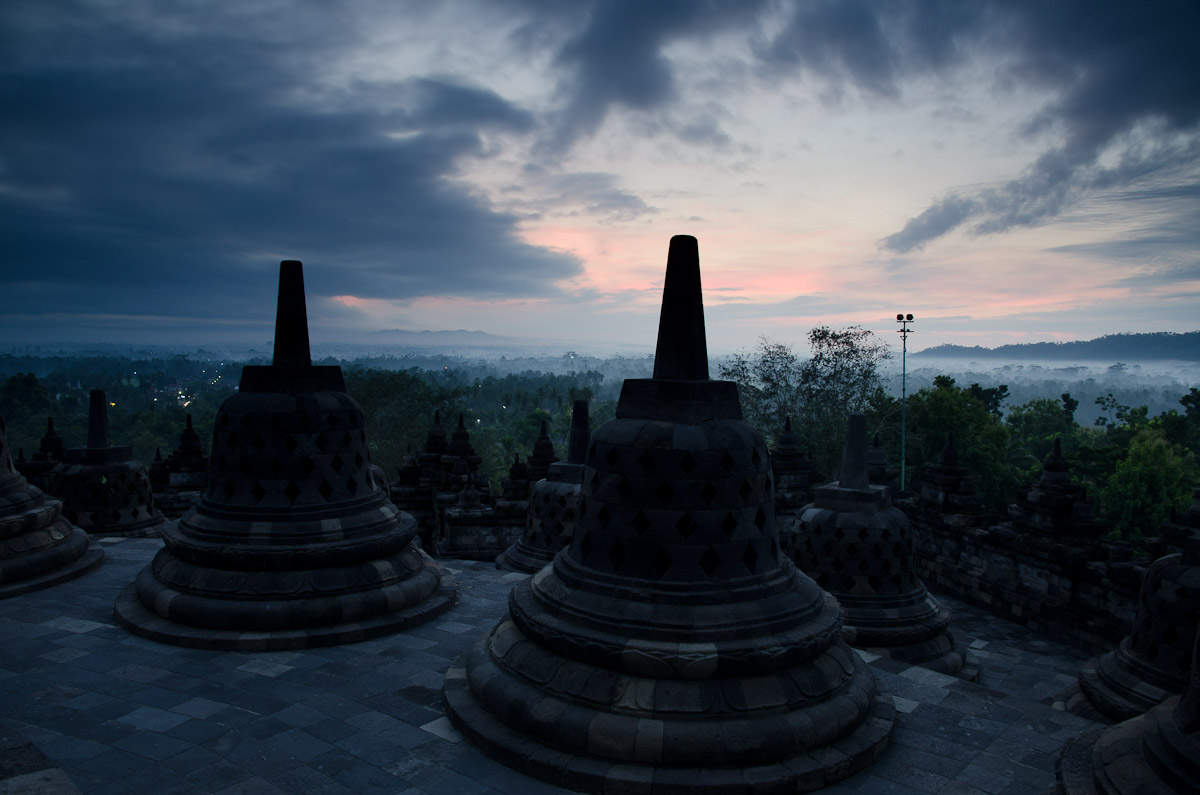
x: 81, y: 565
x: 133, y: 616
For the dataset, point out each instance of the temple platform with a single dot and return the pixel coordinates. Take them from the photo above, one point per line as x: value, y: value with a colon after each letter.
x: 89, y: 707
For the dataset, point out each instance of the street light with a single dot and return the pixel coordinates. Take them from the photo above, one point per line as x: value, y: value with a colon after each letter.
x: 904, y: 331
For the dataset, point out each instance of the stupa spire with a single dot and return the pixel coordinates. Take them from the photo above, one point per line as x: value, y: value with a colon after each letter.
x: 98, y: 420
x: 291, y: 318
x: 581, y: 434
x: 854, y: 454
x: 682, y: 352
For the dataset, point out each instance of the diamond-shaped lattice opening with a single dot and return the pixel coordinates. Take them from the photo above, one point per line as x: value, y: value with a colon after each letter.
x: 640, y: 523
x: 687, y: 463
x: 708, y: 493
x: 331, y: 420
x: 616, y: 555
x: 664, y: 492
x: 352, y: 485
x: 623, y: 487
x: 258, y: 491
x: 877, y: 552
x: 728, y: 462
x: 337, y: 463
x: 321, y: 442
x: 660, y: 561
x: 603, y: 516
x: 729, y: 523
x: 232, y: 441
x: 612, y: 456
x: 307, y: 465
x: 325, y: 489
x: 760, y: 519
x: 290, y: 444
x: 276, y: 466
x: 116, y: 515
x: 874, y: 582
x: 358, y: 460
x: 709, y: 561
x: 646, y: 461
x: 745, y: 490
x: 347, y: 439
x: 229, y: 489
x: 244, y: 464
x: 276, y: 422
x: 292, y: 491
x: 750, y: 558
x: 686, y: 526
x: 756, y: 458
x: 247, y: 421
x: 259, y: 442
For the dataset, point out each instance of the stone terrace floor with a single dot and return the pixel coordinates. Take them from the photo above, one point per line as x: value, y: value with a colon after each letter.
x: 86, y: 705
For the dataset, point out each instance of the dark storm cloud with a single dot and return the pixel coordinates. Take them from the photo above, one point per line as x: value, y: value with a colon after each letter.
x: 1127, y: 78
x: 149, y: 168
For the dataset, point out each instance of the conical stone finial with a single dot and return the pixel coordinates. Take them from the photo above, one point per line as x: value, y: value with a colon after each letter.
x: 854, y: 454
x: 98, y: 420
x: 291, y: 318
x: 949, y: 456
x: 580, y: 433
x: 682, y: 352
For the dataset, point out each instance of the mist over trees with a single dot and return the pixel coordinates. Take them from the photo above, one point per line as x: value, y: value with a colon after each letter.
x: 1129, y: 436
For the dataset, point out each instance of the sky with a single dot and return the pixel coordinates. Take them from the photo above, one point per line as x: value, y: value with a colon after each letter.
x: 1005, y: 171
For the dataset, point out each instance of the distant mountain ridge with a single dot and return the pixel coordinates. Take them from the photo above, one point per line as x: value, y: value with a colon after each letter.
x: 1154, y: 346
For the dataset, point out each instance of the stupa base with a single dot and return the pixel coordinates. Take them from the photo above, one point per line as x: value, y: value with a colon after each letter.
x: 803, y: 772
x: 520, y: 558
x: 81, y: 565
x: 1108, y: 692
x: 956, y: 660
x: 131, y: 614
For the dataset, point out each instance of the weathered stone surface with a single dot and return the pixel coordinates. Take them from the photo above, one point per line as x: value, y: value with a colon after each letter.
x: 293, y: 543
x: 670, y: 646
x: 38, y: 546
x: 794, y: 478
x: 553, y: 504
x: 857, y: 546
x: 1157, y: 753
x: 1055, y: 505
x: 49, y: 454
x: 1153, y: 662
x: 182, y: 476
x: 103, y: 489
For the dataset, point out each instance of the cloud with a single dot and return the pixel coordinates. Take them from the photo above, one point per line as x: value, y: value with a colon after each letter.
x: 162, y: 162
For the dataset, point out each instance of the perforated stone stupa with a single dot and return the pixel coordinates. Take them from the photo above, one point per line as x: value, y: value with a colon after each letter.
x: 553, y: 504
x: 103, y: 489
x: 38, y: 546
x: 49, y: 454
x: 671, y: 647
x: 859, y: 547
x: 185, y: 471
x: 793, y: 473
x: 1055, y: 505
x: 293, y: 543
x: 1153, y: 662
x: 1157, y: 753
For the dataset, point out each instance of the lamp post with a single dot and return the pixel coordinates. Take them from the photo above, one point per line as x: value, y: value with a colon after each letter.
x: 904, y: 331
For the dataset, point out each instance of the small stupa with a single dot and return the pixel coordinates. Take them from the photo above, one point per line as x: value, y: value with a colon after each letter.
x: 879, y: 471
x: 104, y: 490
x: 38, y: 546
x: 793, y: 477
x: 49, y: 454
x: 671, y: 647
x: 1055, y: 505
x: 293, y: 543
x: 186, y: 473
x: 542, y: 456
x: 947, y: 493
x: 859, y: 547
x: 1156, y: 753
x: 553, y: 504
x: 1153, y: 662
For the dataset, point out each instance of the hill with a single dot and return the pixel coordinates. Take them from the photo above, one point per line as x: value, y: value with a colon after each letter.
x: 1157, y: 346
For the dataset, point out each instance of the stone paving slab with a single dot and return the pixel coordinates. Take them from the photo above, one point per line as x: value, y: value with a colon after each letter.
x: 104, y: 711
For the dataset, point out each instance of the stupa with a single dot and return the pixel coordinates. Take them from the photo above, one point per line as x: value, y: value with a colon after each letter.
x: 1153, y: 662
x: 879, y: 471
x: 293, y: 543
x: 104, y: 490
x: 671, y: 647
x: 38, y: 546
x: 947, y: 493
x: 412, y: 493
x: 186, y: 473
x: 1157, y: 753
x: 1055, y: 506
x: 553, y: 504
x: 542, y: 456
x: 793, y: 477
x: 49, y: 454
x: 859, y: 547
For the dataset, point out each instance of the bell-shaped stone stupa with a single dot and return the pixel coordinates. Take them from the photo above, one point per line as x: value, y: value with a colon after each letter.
x: 859, y: 547
x: 553, y: 504
x: 671, y: 647
x: 1153, y: 662
x: 38, y: 546
x: 1157, y: 753
x: 293, y: 543
x: 104, y: 490
x: 49, y: 454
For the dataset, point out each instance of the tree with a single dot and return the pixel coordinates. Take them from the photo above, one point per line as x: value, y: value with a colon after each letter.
x: 1154, y: 477
x: 818, y: 393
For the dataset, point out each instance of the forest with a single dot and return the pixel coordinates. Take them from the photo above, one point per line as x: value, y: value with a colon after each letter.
x: 1137, y: 464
